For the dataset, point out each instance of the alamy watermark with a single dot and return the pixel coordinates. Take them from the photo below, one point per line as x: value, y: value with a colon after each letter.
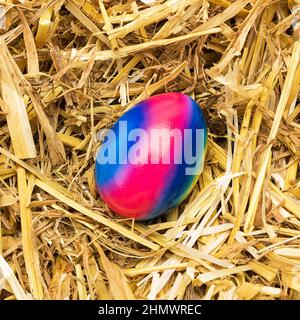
x: 154, y: 146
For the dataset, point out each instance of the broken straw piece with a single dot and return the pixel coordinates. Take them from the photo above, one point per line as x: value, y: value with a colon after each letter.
x: 15, y: 109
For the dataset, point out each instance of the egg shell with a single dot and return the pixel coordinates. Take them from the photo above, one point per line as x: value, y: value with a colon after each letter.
x: 144, y: 190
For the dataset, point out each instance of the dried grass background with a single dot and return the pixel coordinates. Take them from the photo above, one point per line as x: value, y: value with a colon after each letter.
x: 71, y: 67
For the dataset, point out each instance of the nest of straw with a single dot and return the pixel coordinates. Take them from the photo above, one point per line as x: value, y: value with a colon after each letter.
x: 69, y: 68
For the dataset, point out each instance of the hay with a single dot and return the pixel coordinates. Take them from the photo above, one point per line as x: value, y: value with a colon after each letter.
x: 69, y: 68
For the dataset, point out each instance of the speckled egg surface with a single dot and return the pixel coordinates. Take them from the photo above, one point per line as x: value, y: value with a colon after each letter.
x: 152, y: 156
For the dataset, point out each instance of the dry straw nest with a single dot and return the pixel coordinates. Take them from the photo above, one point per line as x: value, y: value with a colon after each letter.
x: 71, y: 67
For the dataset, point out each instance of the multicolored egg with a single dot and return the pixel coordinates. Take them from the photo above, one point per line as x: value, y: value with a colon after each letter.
x: 151, y: 158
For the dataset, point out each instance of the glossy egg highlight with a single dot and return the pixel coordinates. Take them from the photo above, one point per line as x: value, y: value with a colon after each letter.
x: 151, y: 158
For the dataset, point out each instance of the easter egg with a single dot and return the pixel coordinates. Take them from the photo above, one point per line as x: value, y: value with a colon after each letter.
x: 151, y: 158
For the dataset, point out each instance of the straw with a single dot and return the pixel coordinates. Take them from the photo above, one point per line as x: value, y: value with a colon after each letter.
x: 70, y: 68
